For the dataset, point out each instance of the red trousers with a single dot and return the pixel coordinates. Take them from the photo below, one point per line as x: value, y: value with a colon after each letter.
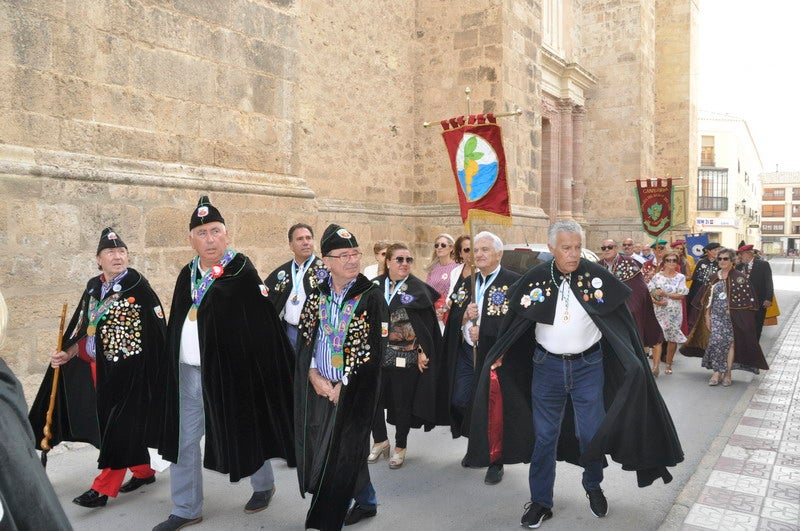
x: 109, y: 480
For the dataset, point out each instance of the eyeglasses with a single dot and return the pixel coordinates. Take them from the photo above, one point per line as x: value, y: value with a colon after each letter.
x: 670, y: 260
x: 346, y: 257
x: 440, y: 245
x: 723, y: 259
x: 627, y: 245
x: 466, y: 250
x: 660, y: 248
x: 407, y: 259
x: 607, y: 247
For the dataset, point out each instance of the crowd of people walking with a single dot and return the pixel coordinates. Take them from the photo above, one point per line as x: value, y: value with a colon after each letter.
x: 305, y: 364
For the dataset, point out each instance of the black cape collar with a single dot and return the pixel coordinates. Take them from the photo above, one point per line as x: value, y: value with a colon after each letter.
x: 599, y: 293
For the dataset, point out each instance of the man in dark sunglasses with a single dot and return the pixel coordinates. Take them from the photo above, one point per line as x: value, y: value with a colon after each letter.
x: 629, y: 271
x: 704, y: 273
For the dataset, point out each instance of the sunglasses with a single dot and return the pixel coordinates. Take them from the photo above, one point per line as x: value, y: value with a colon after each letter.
x: 440, y: 245
x: 607, y: 247
x: 400, y: 259
x: 670, y: 260
x: 723, y: 259
x: 466, y: 250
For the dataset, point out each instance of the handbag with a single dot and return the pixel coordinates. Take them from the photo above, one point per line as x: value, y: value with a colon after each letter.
x: 395, y: 357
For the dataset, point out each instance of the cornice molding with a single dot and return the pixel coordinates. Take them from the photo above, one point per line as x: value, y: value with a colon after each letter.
x: 564, y: 80
x: 65, y: 165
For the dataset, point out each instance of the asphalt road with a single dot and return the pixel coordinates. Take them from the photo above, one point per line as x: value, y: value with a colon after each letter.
x: 433, y: 492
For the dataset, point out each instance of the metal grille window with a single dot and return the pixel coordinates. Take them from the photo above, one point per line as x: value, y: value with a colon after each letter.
x: 712, y: 189
x: 772, y: 228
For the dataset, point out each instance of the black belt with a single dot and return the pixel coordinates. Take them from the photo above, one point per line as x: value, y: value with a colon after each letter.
x: 591, y: 350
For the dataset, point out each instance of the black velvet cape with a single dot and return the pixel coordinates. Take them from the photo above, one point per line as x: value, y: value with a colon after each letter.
x: 247, y: 372
x: 332, y: 442
x: 126, y: 384
x: 422, y: 315
x: 280, y: 282
x: 637, y: 430
x: 26, y: 495
x: 492, y: 315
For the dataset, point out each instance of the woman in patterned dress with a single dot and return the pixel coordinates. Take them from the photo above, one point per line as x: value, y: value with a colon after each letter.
x: 726, y: 338
x: 668, y: 289
x: 440, y: 270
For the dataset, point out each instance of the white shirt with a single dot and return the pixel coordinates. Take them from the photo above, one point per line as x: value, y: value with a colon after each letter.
x: 488, y: 281
x: 190, y: 343
x: 291, y: 312
x: 572, y: 336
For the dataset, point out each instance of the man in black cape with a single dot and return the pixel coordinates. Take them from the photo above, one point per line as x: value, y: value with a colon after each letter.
x: 344, y: 329
x: 27, y: 499
x: 610, y: 393
x: 241, y: 400
x: 759, y: 273
x: 475, y: 323
x: 118, y: 328
x: 289, y: 283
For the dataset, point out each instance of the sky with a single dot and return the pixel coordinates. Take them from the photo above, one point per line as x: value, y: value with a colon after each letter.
x: 749, y: 67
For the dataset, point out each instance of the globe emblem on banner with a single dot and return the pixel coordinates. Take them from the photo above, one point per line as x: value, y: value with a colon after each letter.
x: 697, y: 249
x: 476, y: 162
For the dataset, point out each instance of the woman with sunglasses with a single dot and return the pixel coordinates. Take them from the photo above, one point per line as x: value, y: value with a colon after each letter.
x: 408, y: 392
x: 668, y: 289
x: 440, y: 269
x: 726, y: 337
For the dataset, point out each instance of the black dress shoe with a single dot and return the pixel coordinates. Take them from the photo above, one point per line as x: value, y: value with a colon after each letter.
x: 134, y: 483
x: 494, y: 474
x: 259, y: 501
x: 91, y: 498
x: 358, y: 513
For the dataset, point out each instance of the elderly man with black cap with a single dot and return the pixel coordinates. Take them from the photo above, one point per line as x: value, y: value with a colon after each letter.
x: 343, y: 333
x: 118, y: 328
x: 289, y: 283
x: 704, y: 272
x: 228, y: 376
x: 760, y: 274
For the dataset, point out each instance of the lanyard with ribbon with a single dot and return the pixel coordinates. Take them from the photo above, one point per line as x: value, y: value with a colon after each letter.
x: 389, y: 294
x: 481, y: 289
x: 297, y: 278
x: 335, y: 327
x: 198, y: 288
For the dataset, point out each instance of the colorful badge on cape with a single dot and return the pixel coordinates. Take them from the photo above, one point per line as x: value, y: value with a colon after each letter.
x: 159, y: 312
x: 264, y: 290
x: 597, y: 282
x: 281, y: 275
x: 384, y: 329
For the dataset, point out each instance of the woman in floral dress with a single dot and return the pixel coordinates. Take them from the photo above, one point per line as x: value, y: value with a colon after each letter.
x: 668, y: 288
x: 726, y: 338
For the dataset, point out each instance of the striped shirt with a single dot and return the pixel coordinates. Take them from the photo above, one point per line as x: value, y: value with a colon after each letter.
x: 322, y: 347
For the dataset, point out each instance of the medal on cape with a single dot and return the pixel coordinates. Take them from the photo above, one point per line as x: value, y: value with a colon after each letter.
x: 198, y: 288
x: 723, y: 296
x: 98, y: 311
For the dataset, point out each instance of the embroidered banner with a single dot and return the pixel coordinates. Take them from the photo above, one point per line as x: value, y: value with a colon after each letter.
x: 695, y: 244
x: 655, y: 204
x: 475, y: 146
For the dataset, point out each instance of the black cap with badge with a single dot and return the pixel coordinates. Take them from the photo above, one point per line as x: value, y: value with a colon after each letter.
x: 205, y: 213
x: 336, y: 237
x: 109, y: 239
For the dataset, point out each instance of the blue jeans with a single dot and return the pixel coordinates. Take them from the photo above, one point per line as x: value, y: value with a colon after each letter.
x: 553, y: 380
x: 367, y: 498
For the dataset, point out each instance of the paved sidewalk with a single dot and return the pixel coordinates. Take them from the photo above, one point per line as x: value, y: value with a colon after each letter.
x: 755, y: 482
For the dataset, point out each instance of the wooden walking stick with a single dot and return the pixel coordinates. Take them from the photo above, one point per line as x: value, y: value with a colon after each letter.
x: 45, y: 444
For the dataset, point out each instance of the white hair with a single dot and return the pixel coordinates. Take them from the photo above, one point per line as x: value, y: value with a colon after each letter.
x: 566, y: 225
x: 486, y: 235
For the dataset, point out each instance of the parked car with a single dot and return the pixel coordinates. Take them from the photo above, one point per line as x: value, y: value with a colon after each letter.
x: 520, y: 257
